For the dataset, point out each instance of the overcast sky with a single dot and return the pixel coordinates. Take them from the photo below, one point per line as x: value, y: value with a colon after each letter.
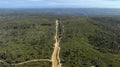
x: 59, y: 3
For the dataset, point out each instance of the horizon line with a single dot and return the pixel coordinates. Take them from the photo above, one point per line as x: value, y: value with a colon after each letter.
x: 57, y: 8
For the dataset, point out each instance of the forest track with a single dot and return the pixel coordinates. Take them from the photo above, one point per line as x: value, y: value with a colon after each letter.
x: 35, y: 60
x: 55, y: 56
x: 2, y: 61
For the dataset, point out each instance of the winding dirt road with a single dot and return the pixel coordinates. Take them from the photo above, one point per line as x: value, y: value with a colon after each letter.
x: 36, y: 60
x: 55, y: 56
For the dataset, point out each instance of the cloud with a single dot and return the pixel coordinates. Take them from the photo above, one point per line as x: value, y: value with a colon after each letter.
x: 35, y: 0
x: 112, y: 0
x: 60, y: 3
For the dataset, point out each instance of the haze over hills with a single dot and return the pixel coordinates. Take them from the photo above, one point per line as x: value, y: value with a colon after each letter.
x: 61, y: 11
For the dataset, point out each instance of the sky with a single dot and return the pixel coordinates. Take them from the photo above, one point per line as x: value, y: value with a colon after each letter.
x: 59, y: 3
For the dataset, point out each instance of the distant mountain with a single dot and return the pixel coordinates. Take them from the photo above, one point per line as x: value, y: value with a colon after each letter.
x: 67, y: 11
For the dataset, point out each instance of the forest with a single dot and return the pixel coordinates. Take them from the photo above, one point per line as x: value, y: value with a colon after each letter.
x: 91, y: 41
x: 24, y: 38
x: 86, y: 41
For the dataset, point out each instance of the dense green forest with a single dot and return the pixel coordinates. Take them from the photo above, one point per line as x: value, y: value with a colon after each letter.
x: 91, y: 41
x: 24, y: 38
x: 86, y: 41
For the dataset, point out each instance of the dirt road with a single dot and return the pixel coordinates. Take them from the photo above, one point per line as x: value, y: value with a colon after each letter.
x: 2, y: 61
x: 55, y: 56
x: 35, y: 60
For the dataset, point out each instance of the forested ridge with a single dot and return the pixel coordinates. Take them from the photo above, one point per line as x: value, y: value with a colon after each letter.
x: 86, y: 41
